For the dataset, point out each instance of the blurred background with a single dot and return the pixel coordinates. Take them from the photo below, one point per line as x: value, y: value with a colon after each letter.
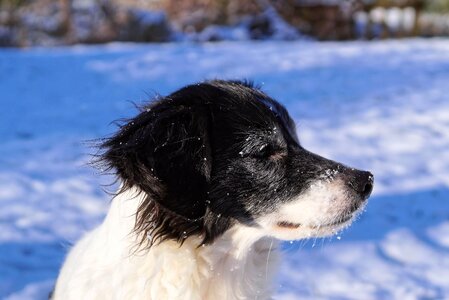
x: 64, y: 22
x: 366, y: 82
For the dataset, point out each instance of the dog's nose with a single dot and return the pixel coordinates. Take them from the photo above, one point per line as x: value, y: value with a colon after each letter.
x: 362, y: 182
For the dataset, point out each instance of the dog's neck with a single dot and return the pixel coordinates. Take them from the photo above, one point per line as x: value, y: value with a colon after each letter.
x: 241, y: 260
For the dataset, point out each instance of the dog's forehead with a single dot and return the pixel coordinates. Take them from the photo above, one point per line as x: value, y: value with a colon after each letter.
x: 238, y: 107
x: 280, y: 119
x: 252, y: 115
x: 251, y: 127
x: 281, y: 116
x: 279, y: 112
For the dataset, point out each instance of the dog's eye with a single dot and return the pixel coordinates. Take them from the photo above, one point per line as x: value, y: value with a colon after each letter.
x: 265, y: 151
x: 268, y: 151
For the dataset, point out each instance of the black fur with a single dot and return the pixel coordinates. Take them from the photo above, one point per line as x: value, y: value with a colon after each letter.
x: 209, y: 155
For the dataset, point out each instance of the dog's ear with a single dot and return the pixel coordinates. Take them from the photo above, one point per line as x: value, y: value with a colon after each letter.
x: 165, y: 153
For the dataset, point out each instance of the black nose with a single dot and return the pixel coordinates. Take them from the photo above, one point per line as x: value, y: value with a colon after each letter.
x: 362, y: 182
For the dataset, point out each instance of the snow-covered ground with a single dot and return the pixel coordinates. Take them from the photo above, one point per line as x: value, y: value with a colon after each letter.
x: 381, y: 106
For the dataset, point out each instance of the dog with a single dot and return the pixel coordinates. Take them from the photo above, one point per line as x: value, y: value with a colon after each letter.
x: 212, y: 177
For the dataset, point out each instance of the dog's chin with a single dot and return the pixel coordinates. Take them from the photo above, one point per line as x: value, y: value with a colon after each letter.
x: 291, y: 230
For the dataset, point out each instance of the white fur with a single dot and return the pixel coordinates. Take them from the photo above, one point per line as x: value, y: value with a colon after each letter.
x: 105, y: 265
x: 325, y: 202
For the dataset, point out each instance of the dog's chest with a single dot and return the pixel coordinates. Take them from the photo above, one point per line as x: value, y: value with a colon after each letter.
x: 104, y: 265
x: 212, y: 272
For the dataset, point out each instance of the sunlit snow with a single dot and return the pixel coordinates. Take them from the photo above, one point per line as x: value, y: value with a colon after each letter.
x: 380, y: 106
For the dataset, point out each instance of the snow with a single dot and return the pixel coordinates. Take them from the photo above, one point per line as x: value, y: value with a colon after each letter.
x: 380, y: 106
x: 222, y: 32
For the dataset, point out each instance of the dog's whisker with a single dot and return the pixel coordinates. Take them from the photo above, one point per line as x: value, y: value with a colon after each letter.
x: 268, y: 260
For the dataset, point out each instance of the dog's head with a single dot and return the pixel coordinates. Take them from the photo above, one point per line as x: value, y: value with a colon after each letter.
x: 221, y: 153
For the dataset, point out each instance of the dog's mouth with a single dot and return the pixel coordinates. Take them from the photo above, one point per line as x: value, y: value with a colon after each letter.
x: 288, y: 225
x: 338, y: 222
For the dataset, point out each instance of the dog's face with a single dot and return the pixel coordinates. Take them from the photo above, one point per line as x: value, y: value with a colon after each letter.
x: 221, y: 153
